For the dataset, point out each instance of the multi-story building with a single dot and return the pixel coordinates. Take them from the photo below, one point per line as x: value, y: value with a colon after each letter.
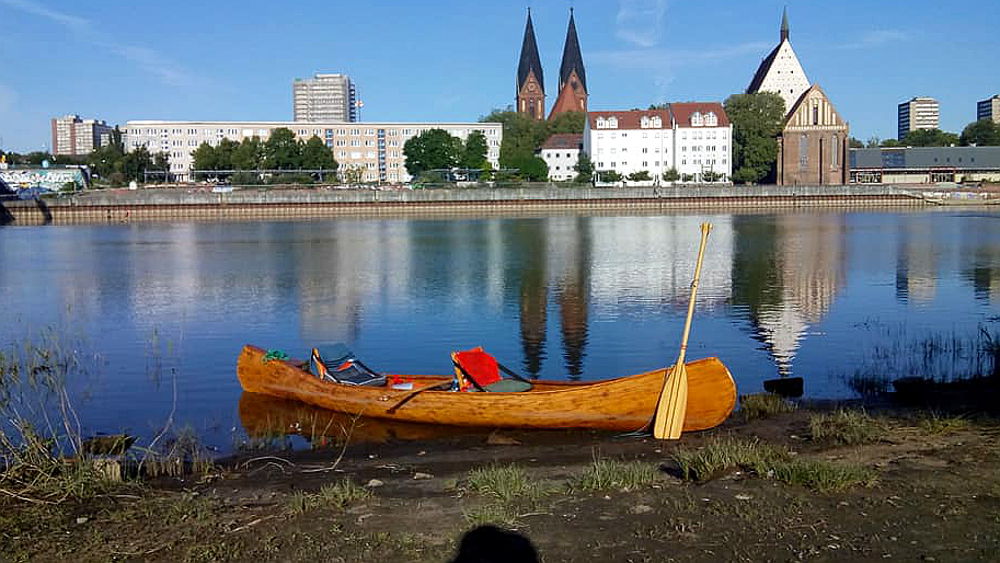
x: 989, y: 109
x: 918, y: 113
x: 325, y: 98
x: 374, y: 148
x: 561, y: 152
x: 693, y: 139
x: 74, y: 136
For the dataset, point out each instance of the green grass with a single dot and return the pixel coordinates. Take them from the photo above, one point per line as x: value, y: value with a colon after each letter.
x: 847, y: 428
x: 726, y: 454
x: 764, y: 405
x: 937, y: 424
x: 605, y: 474
x: 337, y: 495
x: 504, y: 481
x: 503, y: 514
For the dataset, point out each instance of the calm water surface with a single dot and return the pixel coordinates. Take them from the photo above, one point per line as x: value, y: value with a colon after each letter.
x: 825, y: 295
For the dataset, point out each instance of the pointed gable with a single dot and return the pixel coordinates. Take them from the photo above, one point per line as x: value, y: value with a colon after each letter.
x: 780, y: 72
x: 814, y: 110
x: 530, y: 63
x: 572, y: 59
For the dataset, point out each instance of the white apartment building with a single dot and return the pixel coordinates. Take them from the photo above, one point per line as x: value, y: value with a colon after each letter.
x: 695, y: 139
x: 324, y: 98
x: 561, y: 153
x: 74, y: 136
x: 917, y: 113
x: 375, y: 148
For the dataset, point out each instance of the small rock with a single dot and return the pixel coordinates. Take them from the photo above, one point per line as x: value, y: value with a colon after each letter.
x: 496, y: 439
x: 374, y: 483
x: 82, y: 520
x: 742, y: 496
x: 418, y: 476
x: 421, y: 452
x: 641, y: 509
x: 607, y: 497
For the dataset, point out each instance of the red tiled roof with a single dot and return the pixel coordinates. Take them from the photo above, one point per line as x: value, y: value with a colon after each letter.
x: 682, y: 112
x: 563, y: 141
x: 631, y: 119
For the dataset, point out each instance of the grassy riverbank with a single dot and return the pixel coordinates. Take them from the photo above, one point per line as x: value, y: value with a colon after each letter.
x: 805, y: 483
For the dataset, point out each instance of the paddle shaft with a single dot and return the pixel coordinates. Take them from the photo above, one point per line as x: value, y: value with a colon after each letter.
x: 705, y: 229
x: 672, y: 406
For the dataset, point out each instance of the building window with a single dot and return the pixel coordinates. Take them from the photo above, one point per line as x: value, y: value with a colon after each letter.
x: 834, y: 151
x: 803, y: 152
x: 815, y: 114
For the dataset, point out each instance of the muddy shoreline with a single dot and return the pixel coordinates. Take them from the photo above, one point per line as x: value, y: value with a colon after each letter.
x: 935, y: 496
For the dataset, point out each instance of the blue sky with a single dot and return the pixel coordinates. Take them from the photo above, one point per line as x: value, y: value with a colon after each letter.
x: 454, y: 60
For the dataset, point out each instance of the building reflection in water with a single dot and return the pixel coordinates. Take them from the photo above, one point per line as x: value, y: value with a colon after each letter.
x: 787, y: 273
x: 916, y: 271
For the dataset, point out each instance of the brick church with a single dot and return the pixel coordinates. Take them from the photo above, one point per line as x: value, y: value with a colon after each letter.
x: 572, y: 94
x: 813, y: 145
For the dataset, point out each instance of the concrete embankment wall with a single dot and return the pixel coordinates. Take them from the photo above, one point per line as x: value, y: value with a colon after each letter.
x: 190, y: 203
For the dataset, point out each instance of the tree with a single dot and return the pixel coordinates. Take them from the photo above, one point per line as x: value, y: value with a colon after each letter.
x: 523, y: 135
x: 757, y: 121
x: 224, y: 154
x: 282, y: 151
x: 671, y: 175
x: 531, y: 168
x: 204, y: 157
x: 929, y: 138
x: 890, y: 143
x: 474, y: 151
x: 134, y: 164
x: 855, y: 143
x: 566, y: 122
x: 982, y: 133
x: 711, y: 176
x: 433, y: 149
x: 317, y: 156
x: 640, y: 176
x: 161, y: 163
x: 250, y: 155
x: 352, y: 174
x: 584, y: 168
x: 608, y: 176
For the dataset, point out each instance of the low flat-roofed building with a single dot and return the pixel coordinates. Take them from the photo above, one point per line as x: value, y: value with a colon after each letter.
x: 375, y: 148
x: 924, y: 165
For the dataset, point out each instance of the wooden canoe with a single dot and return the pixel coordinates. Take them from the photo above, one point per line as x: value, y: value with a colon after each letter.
x: 625, y: 403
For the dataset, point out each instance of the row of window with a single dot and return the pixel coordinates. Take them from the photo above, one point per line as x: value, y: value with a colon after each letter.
x: 701, y: 134
x: 656, y: 163
x: 154, y: 131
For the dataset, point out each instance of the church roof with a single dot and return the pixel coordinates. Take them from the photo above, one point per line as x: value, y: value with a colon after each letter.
x: 572, y: 59
x: 762, y: 70
x: 530, y: 62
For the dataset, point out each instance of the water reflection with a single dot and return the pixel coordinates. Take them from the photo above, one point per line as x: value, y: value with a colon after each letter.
x: 564, y: 296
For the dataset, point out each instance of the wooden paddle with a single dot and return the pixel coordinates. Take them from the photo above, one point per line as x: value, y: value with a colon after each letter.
x: 672, y: 406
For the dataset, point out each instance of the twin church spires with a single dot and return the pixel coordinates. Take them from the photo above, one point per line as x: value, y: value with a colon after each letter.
x: 531, y: 83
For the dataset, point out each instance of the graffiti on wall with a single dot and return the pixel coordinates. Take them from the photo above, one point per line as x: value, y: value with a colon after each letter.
x: 49, y: 178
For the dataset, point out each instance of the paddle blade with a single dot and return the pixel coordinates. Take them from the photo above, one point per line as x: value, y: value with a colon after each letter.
x: 672, y: 406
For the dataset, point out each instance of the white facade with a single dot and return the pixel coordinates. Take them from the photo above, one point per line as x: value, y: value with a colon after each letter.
x: 917, y: 113
x: 324, y: 98
x: 785, y: 76
x: 561, y: 152
x: 693, y: 139
x: 375, y: 148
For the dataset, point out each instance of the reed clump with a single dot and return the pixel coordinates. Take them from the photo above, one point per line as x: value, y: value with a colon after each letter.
x: 764, y: 405
x: 338, y: 495
x: 606, y: 473
x: 726, y: 454
x: 847, y: 428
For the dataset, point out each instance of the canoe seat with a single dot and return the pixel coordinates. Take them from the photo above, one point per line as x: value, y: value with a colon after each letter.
x: 476, y: 370
x: 339, y: 365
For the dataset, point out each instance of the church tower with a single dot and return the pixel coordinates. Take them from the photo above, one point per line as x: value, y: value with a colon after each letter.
x: 780, y: 72
x: 572, y: 76
x: 530, y: 82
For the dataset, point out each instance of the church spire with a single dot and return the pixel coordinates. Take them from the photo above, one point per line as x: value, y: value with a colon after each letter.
x: 572, y: 60
x: 784, y: 24
x: 572, y: 74
x: 530, y: 82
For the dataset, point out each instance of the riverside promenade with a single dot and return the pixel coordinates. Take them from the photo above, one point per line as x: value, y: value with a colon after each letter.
x: 277, y: 202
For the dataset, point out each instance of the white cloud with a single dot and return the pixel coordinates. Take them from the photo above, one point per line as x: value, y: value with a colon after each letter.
x: 877, y: 38
x: 144, y: 58
x: 640, y: 22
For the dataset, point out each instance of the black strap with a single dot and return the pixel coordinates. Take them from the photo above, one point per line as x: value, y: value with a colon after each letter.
x: 507, y: 370
x: 469, y: 377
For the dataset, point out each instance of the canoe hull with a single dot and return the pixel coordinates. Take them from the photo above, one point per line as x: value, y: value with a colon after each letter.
x: 623, y: 404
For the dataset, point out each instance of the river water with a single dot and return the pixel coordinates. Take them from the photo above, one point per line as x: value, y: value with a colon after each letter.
x: 844, y: 299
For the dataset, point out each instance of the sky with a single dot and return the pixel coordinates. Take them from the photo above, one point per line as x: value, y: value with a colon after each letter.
x: 456, y: 60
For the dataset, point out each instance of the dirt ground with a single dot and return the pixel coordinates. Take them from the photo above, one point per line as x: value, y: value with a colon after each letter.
x: 937, y: 498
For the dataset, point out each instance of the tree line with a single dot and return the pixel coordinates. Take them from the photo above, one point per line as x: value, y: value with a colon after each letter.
x: 281, y: 151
